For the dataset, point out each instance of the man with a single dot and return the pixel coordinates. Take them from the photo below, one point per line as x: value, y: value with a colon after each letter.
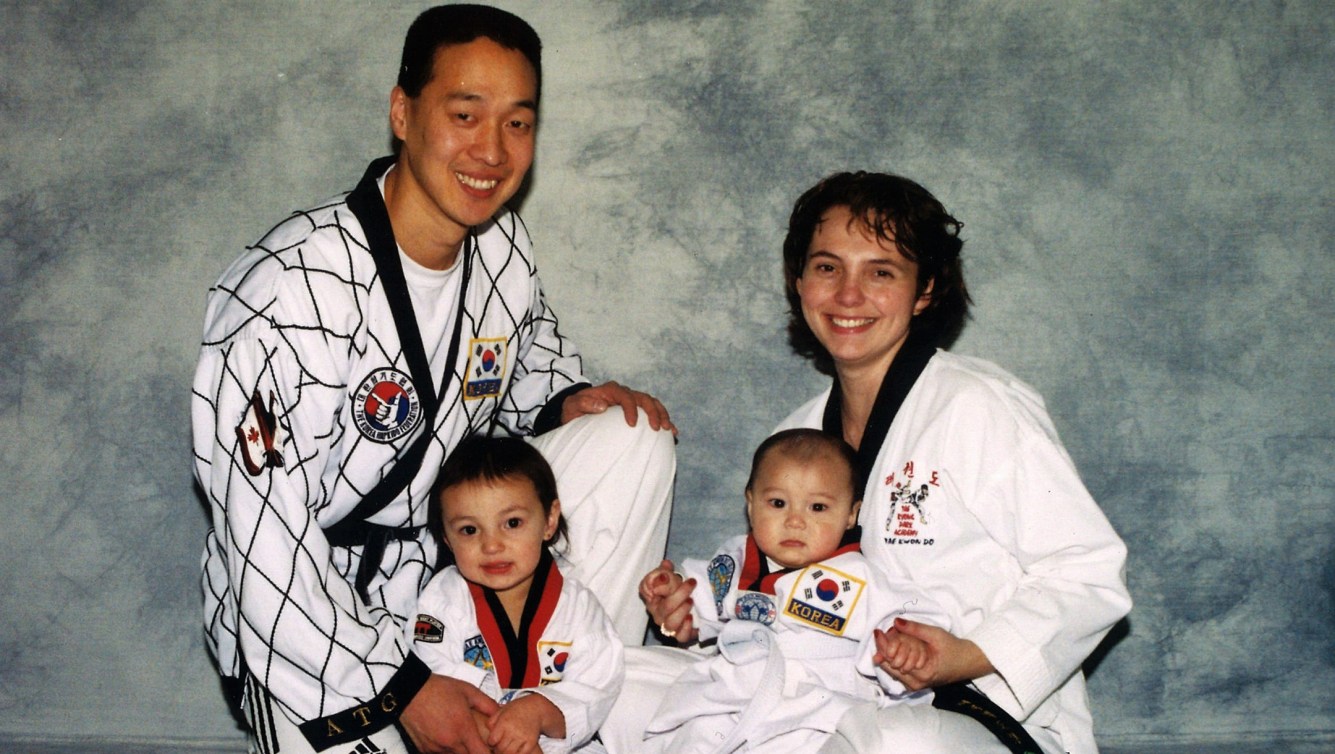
x: 344, y: 355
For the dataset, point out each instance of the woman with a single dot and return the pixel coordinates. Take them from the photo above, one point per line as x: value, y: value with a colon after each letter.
x: 968, y: 492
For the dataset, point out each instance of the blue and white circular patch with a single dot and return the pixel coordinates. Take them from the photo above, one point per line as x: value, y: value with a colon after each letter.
x: 755, y: 606
x: 386, y: 406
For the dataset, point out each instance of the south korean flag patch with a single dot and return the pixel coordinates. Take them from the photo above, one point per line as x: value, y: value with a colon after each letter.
x: 486, y: 368
x: 553, y: 655
x: 824, y: 598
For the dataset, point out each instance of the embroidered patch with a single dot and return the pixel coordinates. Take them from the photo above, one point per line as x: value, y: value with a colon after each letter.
x: 721, y: 569
x: 755, y: 606
x: 486, y: 368
x: 428, y: 629
x: 386, y: 406
x: 477, y: 654
x: 824, y: 598
x: 261, y: 436
x: 554, y: 656
x: 907, y: 522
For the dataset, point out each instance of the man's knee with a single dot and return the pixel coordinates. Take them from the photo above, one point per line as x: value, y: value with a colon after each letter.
x: 612, y: 422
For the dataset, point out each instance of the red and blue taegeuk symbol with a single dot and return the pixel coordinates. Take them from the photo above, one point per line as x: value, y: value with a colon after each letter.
x: 387, y: 406
x: 827, y: 589
x: 559, y: 662
x: 488, y: 360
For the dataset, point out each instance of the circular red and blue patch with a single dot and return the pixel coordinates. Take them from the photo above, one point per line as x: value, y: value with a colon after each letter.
x: 386, y: 406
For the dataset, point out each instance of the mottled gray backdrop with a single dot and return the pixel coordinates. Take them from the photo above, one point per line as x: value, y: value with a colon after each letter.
x: 1146, y: 189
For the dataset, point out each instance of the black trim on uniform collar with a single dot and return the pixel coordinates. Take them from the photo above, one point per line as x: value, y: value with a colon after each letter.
x: 899, y: 379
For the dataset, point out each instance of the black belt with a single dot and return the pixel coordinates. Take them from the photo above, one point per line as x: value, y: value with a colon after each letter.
x: 966, y: 700
x: 373, y: 538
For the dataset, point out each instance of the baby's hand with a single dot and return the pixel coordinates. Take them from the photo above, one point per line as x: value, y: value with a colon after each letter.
x: 898, y: 653
x: 516, y: 726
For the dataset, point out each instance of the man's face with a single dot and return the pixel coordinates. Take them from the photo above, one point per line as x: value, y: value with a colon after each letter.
x: 468, y: 137
x: 800, y: 509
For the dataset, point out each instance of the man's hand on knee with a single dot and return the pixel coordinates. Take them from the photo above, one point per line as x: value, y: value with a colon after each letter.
x: 599, y: 398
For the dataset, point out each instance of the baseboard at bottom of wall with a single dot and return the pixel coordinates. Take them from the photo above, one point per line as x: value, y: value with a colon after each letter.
x: 1236, y: 742
x: 94, y: 745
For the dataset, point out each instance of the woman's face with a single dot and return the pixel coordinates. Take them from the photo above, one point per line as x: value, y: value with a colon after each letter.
x: 858, y: 294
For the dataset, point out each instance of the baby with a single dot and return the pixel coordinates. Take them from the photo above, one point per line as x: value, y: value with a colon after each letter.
x: 792, y: 607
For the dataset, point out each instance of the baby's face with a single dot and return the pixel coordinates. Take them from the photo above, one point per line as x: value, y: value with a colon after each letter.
x: 799, y: 510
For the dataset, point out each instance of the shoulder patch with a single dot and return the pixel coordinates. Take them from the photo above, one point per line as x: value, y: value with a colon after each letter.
x: 824, y: 598
x: 428, y: 629
x: 386, y: 406
x: 721, y: 569
x: 260, y: 436
x: 486, y: 368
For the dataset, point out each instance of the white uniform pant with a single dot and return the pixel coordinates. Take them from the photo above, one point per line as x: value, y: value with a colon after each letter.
x: 615, y: 486
x: 920, y: 729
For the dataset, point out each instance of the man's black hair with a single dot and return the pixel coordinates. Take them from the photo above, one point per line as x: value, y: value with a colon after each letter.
x: 446, y: 25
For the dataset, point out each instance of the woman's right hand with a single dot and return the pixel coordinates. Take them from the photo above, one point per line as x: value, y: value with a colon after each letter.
x: 667, y: 597
x: 943, y: 659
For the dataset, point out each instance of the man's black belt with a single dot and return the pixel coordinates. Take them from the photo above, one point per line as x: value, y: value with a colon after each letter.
x: 373, y: 538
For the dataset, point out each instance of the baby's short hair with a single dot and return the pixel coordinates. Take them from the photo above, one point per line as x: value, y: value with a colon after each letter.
x: 805, y: 444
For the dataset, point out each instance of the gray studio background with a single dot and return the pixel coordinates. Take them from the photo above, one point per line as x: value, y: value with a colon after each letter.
x: 1148, y: 207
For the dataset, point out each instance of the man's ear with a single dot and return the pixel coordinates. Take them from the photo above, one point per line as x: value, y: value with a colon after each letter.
x: 398, y: 112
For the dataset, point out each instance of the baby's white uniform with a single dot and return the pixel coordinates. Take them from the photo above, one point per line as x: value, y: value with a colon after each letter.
x: 795, y: 651
x: 566, y: 648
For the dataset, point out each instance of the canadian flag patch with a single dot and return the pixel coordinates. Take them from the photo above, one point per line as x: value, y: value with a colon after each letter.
x: 260, y: 436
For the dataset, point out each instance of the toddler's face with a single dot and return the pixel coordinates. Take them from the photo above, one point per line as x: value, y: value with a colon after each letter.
x: 496, y: 530
x: 799, y: 510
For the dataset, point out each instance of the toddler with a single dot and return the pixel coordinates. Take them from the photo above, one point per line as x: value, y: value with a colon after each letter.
x: 502, y: 617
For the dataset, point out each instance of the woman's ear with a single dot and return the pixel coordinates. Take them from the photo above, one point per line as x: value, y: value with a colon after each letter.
x: 924, y: 298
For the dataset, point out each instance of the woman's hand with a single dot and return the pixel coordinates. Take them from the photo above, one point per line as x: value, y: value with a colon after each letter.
x: 667, y: 597
x: 922, y: 656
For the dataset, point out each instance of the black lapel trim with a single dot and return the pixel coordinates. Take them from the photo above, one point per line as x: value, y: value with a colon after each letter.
x: 517, y: 643
x: 904, y: 371
x: 366, y: 203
